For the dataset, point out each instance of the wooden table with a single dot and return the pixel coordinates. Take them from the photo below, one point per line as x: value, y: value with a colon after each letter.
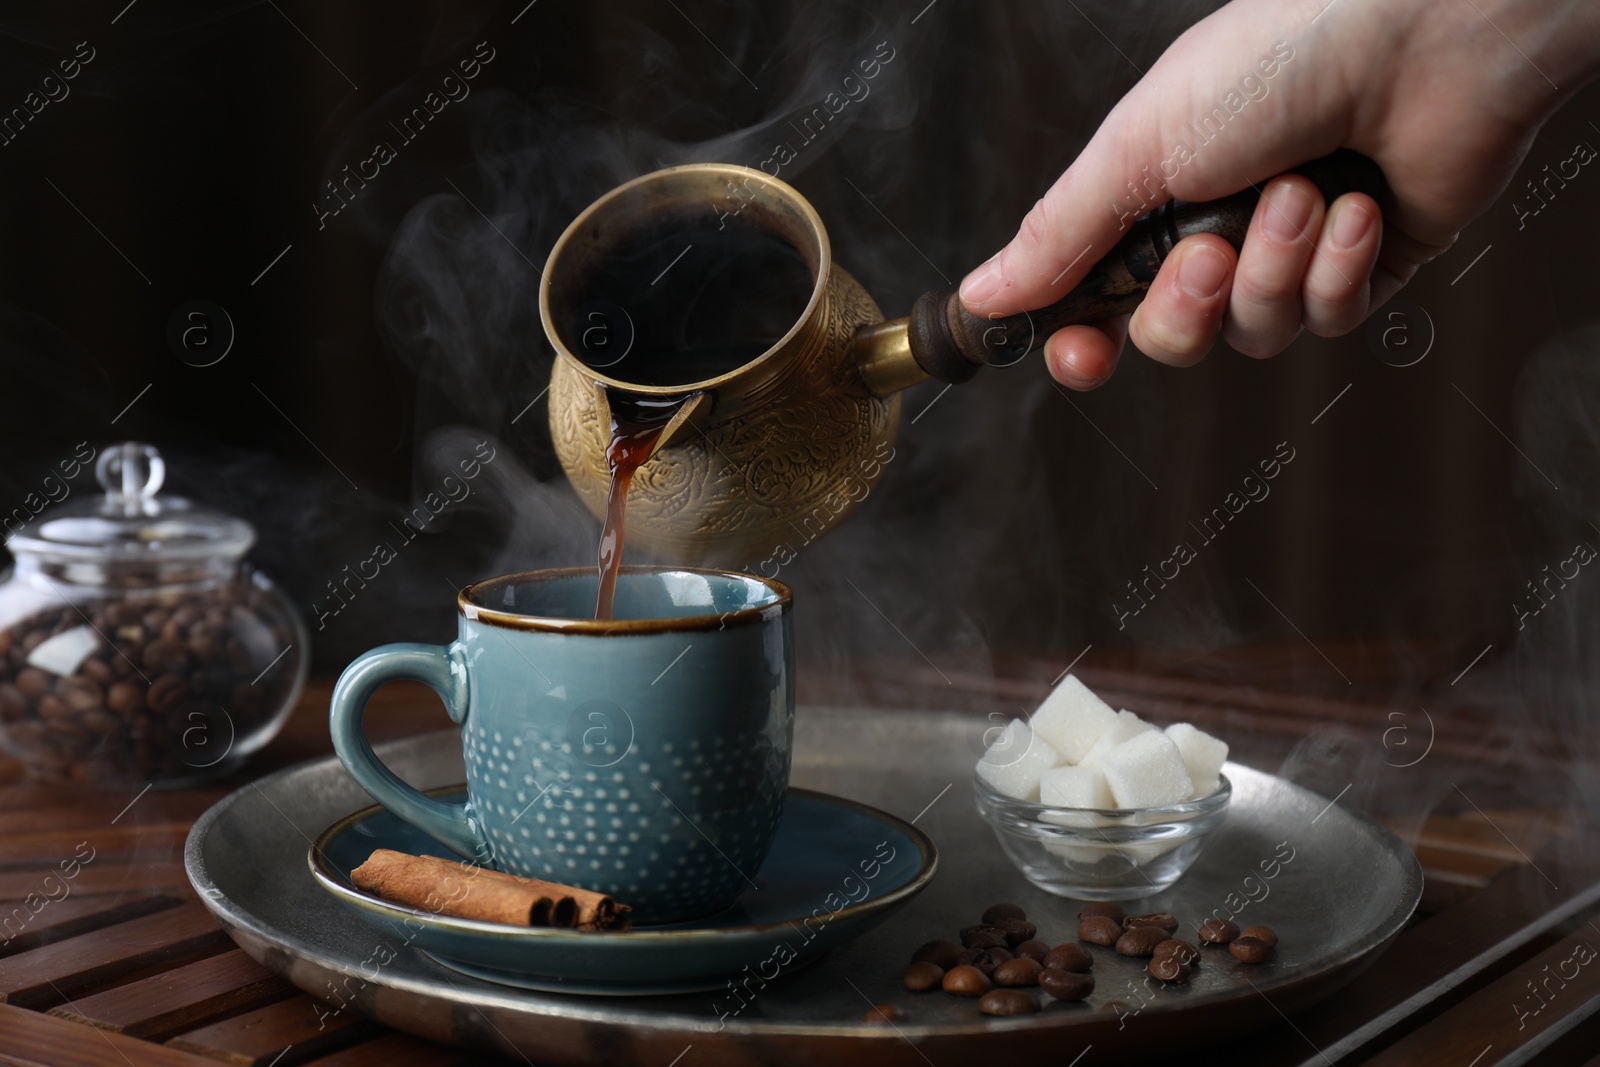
x: 125, y: 965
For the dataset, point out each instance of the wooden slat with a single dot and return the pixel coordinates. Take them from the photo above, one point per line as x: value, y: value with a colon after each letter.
x: 1431, y: 958
x: 29, y: 1039
x: 109, y: 843
x: 45, y: 976
x: 295, y: 1030
x: 21, y: 929
x: 181, y: 999
x: 1463, y: 868
x: 1506, y: 1020
x: 398, y: 1050
x: 1438, y: 896
x: 105, y: 878
x: 1533, y: 831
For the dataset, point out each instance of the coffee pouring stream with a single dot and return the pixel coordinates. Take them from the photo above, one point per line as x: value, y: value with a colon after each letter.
x: 712, y: 286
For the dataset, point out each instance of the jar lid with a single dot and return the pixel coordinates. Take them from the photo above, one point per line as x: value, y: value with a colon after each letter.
x: 130, y: 521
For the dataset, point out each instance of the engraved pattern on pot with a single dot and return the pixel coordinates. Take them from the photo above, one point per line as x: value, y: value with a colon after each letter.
x: 734, y: 486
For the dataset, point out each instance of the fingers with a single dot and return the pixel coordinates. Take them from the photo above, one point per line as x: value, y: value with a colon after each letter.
x: 1180, y: 317
x: 1301, y: 267
x: 1265, y: 311
x: 1060, y: 239
x: 1084, y: 357
x: 1337, y: 288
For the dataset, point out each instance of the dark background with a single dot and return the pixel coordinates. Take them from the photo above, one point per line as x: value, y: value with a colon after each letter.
x: 380, y: 348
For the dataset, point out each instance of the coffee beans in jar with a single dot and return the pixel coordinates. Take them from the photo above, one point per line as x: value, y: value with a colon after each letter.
x: 136, y: 646
x: 162, y: 686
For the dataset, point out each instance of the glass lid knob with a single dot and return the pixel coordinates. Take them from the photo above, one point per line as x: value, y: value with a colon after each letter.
x: 131, y: 474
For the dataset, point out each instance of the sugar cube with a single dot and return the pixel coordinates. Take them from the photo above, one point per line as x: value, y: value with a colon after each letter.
x: 65, y: 652
x: 1077, y: 854
x: 1203, y: 756
x: 1075, y: 787
x: 1072, y: 719
x: 1147, y: 770
x: 1126, y: 726
x: 1147, y: 852
x: 1013, y: 764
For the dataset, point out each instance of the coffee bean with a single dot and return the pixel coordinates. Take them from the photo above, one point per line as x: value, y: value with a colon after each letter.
x: 1008, y: 1002
x: 99, y: 723
x: 942, y: 954
x: 990, y: 958
x: 166, y: 692
x: 996, y: 912
x: 1068, y: 957
x: 53, y: 707
x: 96, y: 671
x: 32, y: 683
x: 206, y: 649
x: 969, y: 932
x: 1250, y: 949
x: 1218, y: 931
x: 124, y: 698
x: 923, y: 976
x: 165, y: 655
x: 984, y: 939
x: 1183, y: 950
x: 1140, y: 941
x: 1017, y: 931
x: 1111, y: 911
x: 966, y: 981
x: 1017, y: 972
x: 1099, y: 930
x: 1066, y: 985
x: 1033, y: 950
x: 26, y: 732
x: 883, y: 1014
x: 1262, y: 933
x: 13, y: 705
x: 79, y: 694
x: 1160, y: 919
x: 1169, y: 969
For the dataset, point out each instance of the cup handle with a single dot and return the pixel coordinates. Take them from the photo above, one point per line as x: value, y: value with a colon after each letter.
x: 441, y: 667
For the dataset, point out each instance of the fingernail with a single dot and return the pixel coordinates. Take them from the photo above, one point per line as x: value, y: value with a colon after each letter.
x: 1069, y: 373
x: 1351, y: 227
x: 1289, y: 208
x: 982, y: 283
x: 1202, y: 272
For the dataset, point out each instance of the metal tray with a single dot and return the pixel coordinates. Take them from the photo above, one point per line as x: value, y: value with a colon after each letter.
x: 1346, y: 892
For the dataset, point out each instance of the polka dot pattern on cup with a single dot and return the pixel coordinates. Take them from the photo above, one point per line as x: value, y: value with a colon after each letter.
x: 690, y: 822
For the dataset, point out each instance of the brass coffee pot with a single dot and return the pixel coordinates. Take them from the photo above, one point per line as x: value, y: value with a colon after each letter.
x: 759, y: 461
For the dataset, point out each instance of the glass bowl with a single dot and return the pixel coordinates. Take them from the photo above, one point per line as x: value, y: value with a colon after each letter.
x: 1109, y: 854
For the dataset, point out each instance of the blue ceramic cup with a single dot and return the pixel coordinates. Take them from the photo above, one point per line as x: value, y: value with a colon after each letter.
x: 646, y: 756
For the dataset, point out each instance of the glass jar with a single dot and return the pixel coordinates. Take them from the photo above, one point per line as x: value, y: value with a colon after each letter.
x: 136, y: 646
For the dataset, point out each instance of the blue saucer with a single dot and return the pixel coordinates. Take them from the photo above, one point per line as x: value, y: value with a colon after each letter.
x: 836, y: 869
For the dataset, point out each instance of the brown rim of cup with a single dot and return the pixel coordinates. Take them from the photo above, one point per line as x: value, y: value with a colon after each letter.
x: 469, y: 603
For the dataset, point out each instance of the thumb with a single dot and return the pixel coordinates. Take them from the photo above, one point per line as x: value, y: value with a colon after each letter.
x: 1206, y: 121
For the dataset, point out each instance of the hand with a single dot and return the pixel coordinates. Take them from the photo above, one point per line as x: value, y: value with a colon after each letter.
x: 1435, y: 93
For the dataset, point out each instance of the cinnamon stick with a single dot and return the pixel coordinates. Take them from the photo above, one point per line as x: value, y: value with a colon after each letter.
x: 445, y: 887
